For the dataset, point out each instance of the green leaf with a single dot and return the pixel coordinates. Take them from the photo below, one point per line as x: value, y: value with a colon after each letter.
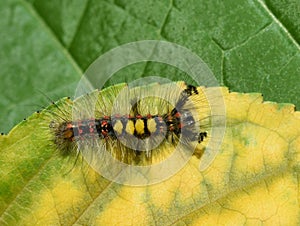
x: 249, y: 45
x: 288, y: 13
x: 32, y: 61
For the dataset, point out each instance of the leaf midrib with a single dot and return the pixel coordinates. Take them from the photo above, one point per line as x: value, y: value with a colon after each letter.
x: 280, y: 24
x: 51, y: 33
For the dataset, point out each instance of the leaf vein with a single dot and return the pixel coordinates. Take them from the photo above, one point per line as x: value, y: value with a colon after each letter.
x: 277, y: 21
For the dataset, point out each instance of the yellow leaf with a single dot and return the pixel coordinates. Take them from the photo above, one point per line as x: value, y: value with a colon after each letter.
x: 252, y: 181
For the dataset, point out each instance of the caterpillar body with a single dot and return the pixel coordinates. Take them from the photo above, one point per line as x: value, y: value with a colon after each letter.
x: 135, y: 125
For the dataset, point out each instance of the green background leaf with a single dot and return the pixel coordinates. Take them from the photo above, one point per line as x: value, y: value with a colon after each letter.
x: 45, y: 45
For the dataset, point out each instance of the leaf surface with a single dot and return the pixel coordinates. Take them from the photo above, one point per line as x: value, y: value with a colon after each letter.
x: 251, y: 46
x: 253, y: 180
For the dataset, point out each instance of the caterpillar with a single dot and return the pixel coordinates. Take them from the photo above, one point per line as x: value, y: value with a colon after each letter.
x: 136, y: 125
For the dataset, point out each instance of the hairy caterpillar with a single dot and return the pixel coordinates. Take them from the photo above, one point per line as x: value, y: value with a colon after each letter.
x: 135, y: 125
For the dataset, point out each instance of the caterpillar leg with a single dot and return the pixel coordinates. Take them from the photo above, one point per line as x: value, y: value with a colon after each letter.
x: 202, y: 136
x: 190, y: 90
